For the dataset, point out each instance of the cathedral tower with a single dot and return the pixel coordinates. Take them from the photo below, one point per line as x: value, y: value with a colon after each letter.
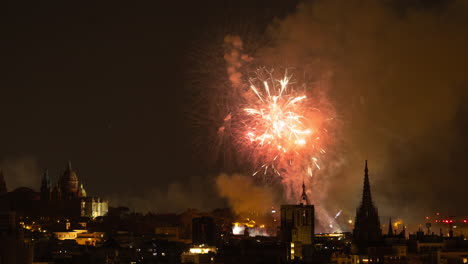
x: 367, y: 230
x: 298, y: 227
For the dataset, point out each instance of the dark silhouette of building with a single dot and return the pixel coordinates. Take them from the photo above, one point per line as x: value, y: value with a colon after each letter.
x: 13, y: 248
x: 297, y: 226
x: 203, y: 231
x: 69, y: 184
x: 68, y: 197
x: 65, y: 198
x: 367, y: 232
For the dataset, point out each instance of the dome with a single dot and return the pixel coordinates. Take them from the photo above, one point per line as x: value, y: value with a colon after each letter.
x: 69, y: 181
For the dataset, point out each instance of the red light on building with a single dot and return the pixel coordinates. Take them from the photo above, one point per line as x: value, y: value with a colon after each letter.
x: 464, y: 221
x: 437, y: 221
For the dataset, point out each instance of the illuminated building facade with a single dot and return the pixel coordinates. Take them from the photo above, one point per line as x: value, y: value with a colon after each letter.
x: 93, y: 207
x: 297, y: 226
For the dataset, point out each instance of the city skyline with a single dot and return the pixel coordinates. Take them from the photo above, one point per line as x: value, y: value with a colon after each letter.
x: 112, y: 89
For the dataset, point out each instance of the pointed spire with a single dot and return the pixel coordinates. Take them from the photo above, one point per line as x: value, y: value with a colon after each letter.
x: 367, y: 225
x: 390, y: 227
x: 366, y: 192
x: 304, y: 198
x: 69, y: 166
x: 3, y: 188
x: 46, y: 187
x: 45, y: 180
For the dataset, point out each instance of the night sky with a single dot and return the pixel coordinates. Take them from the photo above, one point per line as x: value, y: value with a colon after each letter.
x: 109, y: 86
x: 102, y: 85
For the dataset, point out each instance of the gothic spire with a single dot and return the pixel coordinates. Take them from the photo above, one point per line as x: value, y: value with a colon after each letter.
x: 366, y: 192
x: 3, y: 188
x: 69, y: 166
x: 46, y: 188
x: 304, y: 198
x: 390, y: 227
x: 46, y: 180
x: 367, y: 224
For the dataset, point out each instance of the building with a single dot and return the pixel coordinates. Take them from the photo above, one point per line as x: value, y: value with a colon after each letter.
x: 203, y: 231
x: 367, y: 233
x: 297, y: 227
x: 93, y: 207
x: 68, y: 197
x: 64, y: 198
x: 13, y: 248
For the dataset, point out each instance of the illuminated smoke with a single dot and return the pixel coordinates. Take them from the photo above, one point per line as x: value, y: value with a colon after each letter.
x: 243, y: 195
x: 234, y: 59
x: 398, y: 81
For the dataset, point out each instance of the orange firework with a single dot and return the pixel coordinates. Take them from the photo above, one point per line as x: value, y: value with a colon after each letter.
x: 281, y: 125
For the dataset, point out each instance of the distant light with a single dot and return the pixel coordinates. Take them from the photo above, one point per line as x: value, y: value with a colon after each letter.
x: 350, y: 221
x: 199, y: 250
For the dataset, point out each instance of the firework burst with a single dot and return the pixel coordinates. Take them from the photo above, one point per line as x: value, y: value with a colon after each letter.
x: 279, y: 127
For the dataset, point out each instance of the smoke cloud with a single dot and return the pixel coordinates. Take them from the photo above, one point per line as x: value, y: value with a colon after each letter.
x: 195, y: 193
x: 243, y: 195
x: 398, y: 79
x: 234, y: 59
x: 21, y: 172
